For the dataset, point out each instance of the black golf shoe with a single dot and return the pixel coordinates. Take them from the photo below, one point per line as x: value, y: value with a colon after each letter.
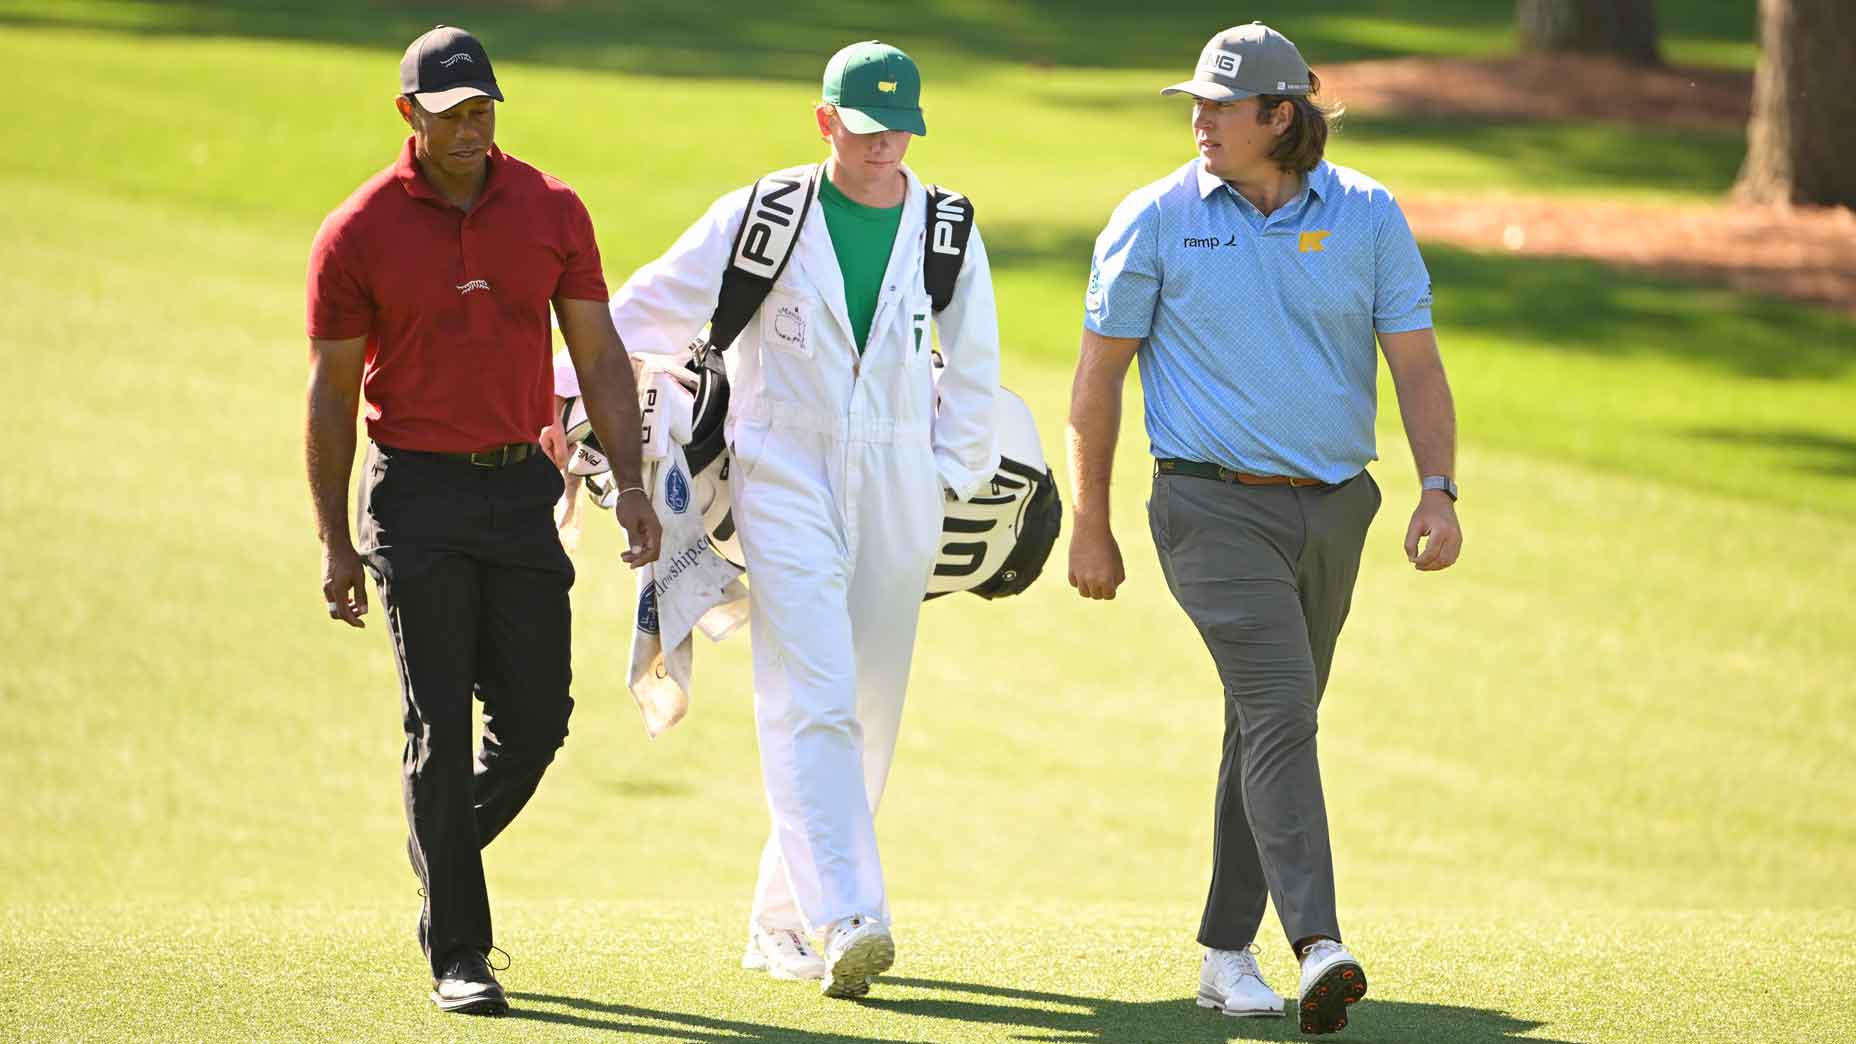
x: 467, y: 986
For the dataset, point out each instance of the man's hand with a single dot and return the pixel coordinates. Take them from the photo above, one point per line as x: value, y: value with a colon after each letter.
x: 1435, y: 523
x: 609, y: 388
x: 344, y: 585
x: 554, y: 444
x: 641, y: 528
x: 1095, y: 563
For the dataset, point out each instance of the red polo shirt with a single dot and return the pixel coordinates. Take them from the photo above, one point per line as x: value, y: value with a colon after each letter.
x: 454, y: 305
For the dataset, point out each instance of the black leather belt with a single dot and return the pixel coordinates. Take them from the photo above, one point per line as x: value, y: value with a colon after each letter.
x: 1200, y: 469
x: 496, y: 457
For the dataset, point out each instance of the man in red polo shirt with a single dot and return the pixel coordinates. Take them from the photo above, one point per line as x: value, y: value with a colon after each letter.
x: 429, y: 291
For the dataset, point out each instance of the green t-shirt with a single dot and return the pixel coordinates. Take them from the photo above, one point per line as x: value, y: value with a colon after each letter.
x: 862, y: 237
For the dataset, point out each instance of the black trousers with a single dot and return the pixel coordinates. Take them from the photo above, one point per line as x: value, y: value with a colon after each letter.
x: 473, y: 580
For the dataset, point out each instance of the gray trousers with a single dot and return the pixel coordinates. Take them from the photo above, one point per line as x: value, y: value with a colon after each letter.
x: 1266, y: 574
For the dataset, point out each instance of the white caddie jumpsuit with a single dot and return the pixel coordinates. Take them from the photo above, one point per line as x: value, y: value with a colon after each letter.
x: 838, y: 477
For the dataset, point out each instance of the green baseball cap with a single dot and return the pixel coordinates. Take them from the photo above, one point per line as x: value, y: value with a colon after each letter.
x: 876, y: 88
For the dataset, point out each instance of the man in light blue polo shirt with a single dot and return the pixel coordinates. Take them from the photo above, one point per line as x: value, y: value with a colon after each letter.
x: 1250, y: 283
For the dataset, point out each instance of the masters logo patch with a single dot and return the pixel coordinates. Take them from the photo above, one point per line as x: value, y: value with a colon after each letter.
x: 1311, y: 242
x: 789, y: 325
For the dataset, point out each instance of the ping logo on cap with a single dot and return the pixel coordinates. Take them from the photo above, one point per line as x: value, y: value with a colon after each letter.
x: 1220, y: 62
x: 456, y: 58
x: 886, y: 86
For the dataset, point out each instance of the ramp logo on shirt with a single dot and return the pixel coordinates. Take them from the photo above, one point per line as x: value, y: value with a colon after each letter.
x: 475, y: 284
x: 789, y: 326
x: 647, y: 610
x: 677, y: 490
x: 1094, y: 297
x: 1311, y: 242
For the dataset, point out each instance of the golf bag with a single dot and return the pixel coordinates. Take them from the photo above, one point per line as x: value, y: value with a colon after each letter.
x: 994, y: 544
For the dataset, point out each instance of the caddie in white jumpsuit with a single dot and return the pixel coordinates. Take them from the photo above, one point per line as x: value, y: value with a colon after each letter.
x: 841, y: 466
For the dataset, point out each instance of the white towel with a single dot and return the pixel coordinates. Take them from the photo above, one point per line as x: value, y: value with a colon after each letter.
x: 689, y: 587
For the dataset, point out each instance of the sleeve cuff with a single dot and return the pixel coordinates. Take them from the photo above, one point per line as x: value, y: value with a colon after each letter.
x: 1113, y: 329
x: 587, y: 291
x: 963, y: 482
x: 1419, y: 320
x: 336, y: 333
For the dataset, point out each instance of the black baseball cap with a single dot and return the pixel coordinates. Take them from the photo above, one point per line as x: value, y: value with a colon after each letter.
x: 446, y: 66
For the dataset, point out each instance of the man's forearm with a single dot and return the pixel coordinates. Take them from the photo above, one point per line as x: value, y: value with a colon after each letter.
x: 611, y: 395
x: 1094, y: 428
x: 1430, y: 418
x: 328, y: 447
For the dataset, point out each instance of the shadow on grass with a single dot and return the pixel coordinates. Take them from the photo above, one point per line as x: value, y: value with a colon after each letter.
x: 740, y: 39
x: 1555, y: 157
x: 647, y: 1022
x: 1798, y: 450
x: 1041, y: 1016
x: 1588, y: 308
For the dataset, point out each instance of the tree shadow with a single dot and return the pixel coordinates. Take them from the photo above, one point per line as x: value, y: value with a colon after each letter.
x: 1566, y: 155
x: 649, y: 1022
x: 1590, y: 308
x: 1094, y: 1020
x: 1035, y: 1015
x: 1796, y: 449
x: 745, y: 39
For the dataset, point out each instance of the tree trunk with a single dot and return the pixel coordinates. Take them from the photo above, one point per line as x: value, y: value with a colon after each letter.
x: 1623, y: 28
x: 1801, y: 141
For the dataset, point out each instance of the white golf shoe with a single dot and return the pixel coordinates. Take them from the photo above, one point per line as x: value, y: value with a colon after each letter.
x: 1331, y: 980
x: 1230, y: 981
x: 784, y: 953
x: 857, y: 949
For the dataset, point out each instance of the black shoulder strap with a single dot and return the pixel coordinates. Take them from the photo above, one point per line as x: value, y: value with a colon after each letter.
x: 950, y: 225
x: 777, y: 207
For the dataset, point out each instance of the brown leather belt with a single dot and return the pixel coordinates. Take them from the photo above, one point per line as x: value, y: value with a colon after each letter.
x: 1199, y: 469
x: 496, y: 456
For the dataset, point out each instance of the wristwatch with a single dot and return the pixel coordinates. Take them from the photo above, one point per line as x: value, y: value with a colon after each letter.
x: 1443, y: 482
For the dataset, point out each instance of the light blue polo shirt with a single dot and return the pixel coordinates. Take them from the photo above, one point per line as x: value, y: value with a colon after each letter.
x: 1259, y: 351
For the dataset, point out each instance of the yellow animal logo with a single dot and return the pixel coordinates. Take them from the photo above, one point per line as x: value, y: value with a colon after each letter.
x: 886, y: 86
x: 1311, y: 241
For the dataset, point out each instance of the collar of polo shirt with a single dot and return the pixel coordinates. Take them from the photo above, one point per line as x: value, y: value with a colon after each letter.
x: 406, y: 169
x: 1316, y: 182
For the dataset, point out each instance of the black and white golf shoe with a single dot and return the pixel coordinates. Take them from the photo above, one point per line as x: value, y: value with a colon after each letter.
x: 1331, y: 981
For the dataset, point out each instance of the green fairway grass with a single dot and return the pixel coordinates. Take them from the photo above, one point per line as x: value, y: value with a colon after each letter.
x: 602, y: 971
x: 725, y: 38
x: 1592, y: 785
